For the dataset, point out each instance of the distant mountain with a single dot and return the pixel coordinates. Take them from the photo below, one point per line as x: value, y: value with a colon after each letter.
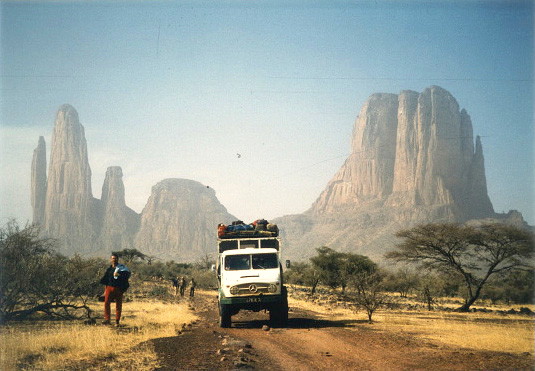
x: 179, y: 221
x: 413, y: 160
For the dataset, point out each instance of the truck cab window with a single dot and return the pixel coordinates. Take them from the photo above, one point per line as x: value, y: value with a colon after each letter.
x: 265, y: 261
x: 237, y: 262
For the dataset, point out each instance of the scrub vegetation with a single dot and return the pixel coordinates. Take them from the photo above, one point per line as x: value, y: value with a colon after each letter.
x: 51, y: 316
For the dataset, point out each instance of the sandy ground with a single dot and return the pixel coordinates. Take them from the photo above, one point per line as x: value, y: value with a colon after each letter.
x: 311, y: 343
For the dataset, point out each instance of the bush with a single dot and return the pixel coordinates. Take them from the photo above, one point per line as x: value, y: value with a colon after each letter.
x: 36, y: 279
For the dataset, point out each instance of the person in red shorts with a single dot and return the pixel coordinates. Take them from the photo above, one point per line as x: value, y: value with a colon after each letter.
x: 116, y: 283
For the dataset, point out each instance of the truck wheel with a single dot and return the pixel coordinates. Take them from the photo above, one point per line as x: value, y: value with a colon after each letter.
x: 224, y: 316
x: 278, y: 316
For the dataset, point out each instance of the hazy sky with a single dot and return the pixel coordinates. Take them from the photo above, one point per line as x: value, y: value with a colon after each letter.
x: 179, y: 89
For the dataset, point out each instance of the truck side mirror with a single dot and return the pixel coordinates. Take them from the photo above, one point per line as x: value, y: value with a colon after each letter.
x: 288, y: 264
x: 212, y: 268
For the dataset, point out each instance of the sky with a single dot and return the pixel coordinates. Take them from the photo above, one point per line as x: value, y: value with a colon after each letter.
x: 255, y: 99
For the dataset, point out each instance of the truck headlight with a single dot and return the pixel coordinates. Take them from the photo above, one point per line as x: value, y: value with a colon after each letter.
x: 234, y: 290
x: 272, y: 288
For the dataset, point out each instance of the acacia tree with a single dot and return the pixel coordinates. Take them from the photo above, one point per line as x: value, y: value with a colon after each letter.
x: 327, y: 263
x: 34, y: 278
x: 369, y: 291
x: 473, y: 253
x: 336, y: 269
x: 352, y: 265
x: 303, y: 273
x: 130, y: 255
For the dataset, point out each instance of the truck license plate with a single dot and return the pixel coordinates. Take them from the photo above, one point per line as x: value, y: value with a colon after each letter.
x: 253, y: 300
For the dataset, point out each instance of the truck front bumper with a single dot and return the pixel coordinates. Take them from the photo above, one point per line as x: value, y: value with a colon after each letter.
x: 250, y: 300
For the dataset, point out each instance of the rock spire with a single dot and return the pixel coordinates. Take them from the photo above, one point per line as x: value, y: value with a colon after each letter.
x: 38, y: 185
x: 71, y: 211
x: 119, y: 222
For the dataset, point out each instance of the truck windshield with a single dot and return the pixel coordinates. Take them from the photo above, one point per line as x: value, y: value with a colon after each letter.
x: 243, y: 262
x: 265, y: 261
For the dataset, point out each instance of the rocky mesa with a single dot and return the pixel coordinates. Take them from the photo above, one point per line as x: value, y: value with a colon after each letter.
x: 413, y: 160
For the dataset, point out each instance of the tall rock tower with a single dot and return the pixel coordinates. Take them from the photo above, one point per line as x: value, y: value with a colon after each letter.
x: 412, y: 161
x: 367, y: 174
x: 71, y: 212
x: 411, y: 150
x: 119, y: 222
x: 38, y: 185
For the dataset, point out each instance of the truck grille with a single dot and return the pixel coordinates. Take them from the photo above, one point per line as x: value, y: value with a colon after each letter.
x: 253, y: 289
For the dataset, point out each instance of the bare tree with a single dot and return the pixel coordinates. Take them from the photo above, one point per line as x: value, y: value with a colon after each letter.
x: 369, y: 292
x: 205, y: 262
x: 474, y: 254
x: 34, y: 278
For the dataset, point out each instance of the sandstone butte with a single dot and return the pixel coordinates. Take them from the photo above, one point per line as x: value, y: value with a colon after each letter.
x: 413, y: 160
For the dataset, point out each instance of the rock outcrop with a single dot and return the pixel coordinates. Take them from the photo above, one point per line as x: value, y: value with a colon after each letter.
x: 38, y: 186
x: 119, y: 222
x: 63, y: 202
x: 411, y: 150
x: 412, y: 161
x: 180, y: 220
x: 71, y: 212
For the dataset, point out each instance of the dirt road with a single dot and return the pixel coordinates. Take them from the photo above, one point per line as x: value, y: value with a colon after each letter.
x: 310, y: 343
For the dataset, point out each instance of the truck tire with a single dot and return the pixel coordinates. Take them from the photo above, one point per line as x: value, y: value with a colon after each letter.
x: 278, y: 315
x: 225, y: 319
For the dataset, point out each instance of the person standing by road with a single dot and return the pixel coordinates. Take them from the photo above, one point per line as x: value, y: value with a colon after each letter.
x: 182, y: 284
x: 116, y: 283
x: 175, y: 284
x: 192, y: 288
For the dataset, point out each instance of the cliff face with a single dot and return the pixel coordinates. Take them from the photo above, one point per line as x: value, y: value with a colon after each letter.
x: 63, y: 203
x: 412, y: 161
x: 71, y: 212
x: 180, y: 220
x: 410, y: 150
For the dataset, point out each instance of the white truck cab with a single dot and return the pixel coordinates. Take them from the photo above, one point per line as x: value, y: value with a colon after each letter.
x: 250, y: 277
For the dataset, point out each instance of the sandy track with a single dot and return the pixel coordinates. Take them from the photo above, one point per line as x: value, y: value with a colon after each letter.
x: 310, y: 343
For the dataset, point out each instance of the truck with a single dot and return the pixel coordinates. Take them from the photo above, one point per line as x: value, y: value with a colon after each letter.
x: 250, y: 275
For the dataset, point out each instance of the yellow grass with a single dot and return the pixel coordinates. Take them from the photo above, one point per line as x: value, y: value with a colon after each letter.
x: 478, y: 331
x: 59, y: 345
x: 483, y: 331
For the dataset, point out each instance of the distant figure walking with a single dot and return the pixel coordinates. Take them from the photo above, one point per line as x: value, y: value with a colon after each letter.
x: 175, y: 285
x: 192, y: 288
x: 182, y: 284
x: 116, y: 283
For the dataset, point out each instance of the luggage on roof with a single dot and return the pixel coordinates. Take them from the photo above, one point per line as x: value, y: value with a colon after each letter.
x: 238, y: 229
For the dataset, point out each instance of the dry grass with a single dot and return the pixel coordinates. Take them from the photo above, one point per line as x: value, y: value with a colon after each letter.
x: 57, y: 346
x: 478, y: 331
